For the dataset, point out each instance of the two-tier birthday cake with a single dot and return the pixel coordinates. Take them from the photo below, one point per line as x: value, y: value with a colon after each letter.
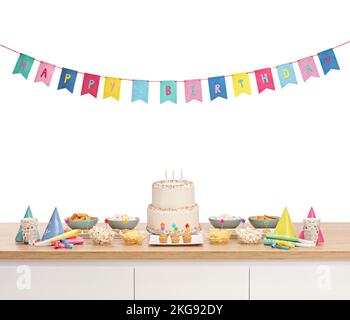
x: 172, y: 203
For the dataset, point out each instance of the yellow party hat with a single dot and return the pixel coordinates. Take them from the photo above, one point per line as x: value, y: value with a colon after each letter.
x: 285, y: 226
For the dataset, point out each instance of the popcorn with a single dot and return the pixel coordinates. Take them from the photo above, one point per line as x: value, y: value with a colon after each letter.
x: 102, y: 235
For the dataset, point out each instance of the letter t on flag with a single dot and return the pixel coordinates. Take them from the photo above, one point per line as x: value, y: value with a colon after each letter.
x: 90, y: 84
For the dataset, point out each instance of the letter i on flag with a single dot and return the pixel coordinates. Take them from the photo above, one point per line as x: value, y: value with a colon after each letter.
x: 67, y: 79
x: 140, y: 90
x: 24, y: 65
x: 217, y: 87
x: 241, y: 83
x: 328, y: 60
x: 264, y: 79
x: 112, y: 88
x: 308, y: 68
x: 44, y: 73
x: 90, y: 84
x: 168, y: 91
x: 286, y: 74
x: 193, y: 90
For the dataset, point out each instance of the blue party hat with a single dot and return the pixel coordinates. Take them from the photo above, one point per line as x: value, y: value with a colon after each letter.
x: 54, y: 227
x: 19, y: 236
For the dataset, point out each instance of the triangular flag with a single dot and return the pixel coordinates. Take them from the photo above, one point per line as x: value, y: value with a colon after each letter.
x: 90, y: 84
x: 241, y: 83
x: 193, y: 90
x: 264, y: 79
x: 44, y: 73
x: 23, y: 65
x: 286, y: 74
x: 112, y: 88
x: 67, y: 79
x: 168, y: 91
x: 217, y: 87
x: 328, y: 60
x: 320, y: 235
x: 19, y: 236
x: 54, y: 227
x: 308, y: 68
x: 140, y: 90
x: 285, y: 226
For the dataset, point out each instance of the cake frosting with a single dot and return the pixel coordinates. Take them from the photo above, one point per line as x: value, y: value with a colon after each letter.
x: 172, y: 202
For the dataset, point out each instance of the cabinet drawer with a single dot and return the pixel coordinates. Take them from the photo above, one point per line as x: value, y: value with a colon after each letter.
x: 300, y: 281
x: 192, y: 281
x: 65, y: 280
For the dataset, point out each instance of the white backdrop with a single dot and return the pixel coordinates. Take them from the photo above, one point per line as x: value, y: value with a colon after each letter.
x: 247, y: 155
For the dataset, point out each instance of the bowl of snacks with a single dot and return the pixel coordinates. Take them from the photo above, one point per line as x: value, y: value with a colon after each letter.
x: 122, y: 221
x: 250, y: 235
x: 219, y: 236
x: 102, y: 235
x: 264, y: 222
x: 81, y: 221
x: 133, y: 237
x: 225, y: 221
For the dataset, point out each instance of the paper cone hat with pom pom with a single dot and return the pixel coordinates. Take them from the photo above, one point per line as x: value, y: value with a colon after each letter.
x: 320, y: 235
x: 54, y: 227
x: 19, y: 236
x: 285, y: 226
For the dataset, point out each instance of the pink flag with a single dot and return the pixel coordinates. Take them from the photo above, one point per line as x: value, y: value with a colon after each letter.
x: 44, y: 73
x: 90, y: 84
x: 320, y: 235
x: 193, y: 90
x: 264, y: 79
x: 308, y: 68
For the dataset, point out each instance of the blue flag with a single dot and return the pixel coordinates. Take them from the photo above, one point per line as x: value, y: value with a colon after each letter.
x: 140, y: 90
x: 217, y: 87
x: 286, y: 74
x: 67, y: 79
x: 328, y: 60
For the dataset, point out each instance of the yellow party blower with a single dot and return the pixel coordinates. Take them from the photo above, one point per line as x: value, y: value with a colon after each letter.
x: 65, y: 235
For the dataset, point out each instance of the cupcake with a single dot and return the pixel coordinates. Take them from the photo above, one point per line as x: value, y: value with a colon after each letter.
x: 175, y: 238
x: 163, y: 238
x: 187, y: 238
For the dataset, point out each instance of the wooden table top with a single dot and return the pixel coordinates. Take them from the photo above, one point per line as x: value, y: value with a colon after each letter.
x: 336, y: 247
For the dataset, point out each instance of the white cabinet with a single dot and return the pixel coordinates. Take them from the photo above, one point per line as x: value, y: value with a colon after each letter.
x: 192, y: 280
x: 65, y: 280
x: 300, y: 280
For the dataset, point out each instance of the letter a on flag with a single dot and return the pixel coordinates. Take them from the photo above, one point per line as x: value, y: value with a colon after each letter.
x: 308, y: 68
x: 44, y: 73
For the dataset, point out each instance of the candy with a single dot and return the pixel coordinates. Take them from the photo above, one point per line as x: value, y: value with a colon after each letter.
x: 249, y: 235
x: 102, y: 235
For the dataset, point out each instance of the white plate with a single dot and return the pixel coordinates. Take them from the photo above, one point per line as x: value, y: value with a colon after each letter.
x: 196, y: 240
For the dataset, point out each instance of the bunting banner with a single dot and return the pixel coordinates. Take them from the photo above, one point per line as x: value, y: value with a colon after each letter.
x: 168, y: 90
x: 241, y: 83
x: 67, y: 79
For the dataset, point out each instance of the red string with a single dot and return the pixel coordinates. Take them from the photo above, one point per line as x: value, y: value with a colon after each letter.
x: 201, y: 79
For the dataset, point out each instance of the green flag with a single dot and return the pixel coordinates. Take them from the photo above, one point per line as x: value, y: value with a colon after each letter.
x: 168, y: 91
x: 23, y: 65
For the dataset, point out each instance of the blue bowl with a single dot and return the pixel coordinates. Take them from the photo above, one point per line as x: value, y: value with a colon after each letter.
x: 228, y: 223
x: 119, y: 224
x: 82, y: 224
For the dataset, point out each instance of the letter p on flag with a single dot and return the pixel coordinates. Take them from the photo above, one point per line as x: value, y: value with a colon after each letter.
x: 90, y: 84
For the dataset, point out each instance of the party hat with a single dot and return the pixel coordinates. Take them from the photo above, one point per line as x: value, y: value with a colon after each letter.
x: 19, y: 236
x: 285, y: 226
x: 320, y: 235
x: 54, y: 227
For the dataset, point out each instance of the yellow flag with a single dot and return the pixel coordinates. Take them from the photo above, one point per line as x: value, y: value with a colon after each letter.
x: 112, y: 88
x: 241, y: 83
